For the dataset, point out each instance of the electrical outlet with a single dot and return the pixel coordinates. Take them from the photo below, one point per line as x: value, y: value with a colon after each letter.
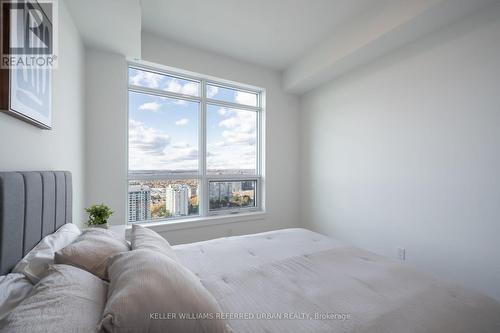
x: 401, y: 253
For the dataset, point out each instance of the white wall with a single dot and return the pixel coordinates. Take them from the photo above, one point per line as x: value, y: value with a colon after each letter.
x: 281, y: 134
x: 404, y: 152
x: 25, y: 147
x: 106, y: 131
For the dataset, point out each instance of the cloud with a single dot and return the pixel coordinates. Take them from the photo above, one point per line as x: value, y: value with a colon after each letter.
x: 153, y: 106
x: 232, y: 122
x: 167, y: 83
x: 181, y: 145
x: 212, y: 91
x: 188, y: 88
x: 231, y: 156
x: 246, y: 98
x: 146, y: 140
x: 236, y: 149
x: 146, y: 79
x: 238, y: 137
x: 151, y: 149
x: 239, y: 127
x: 182, y: 122
x: 183, y: 154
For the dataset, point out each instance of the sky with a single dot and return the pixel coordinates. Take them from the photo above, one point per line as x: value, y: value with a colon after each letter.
x: 163, y: 132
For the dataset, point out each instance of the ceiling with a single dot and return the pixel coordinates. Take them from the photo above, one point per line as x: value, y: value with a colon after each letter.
x: 271, y: 33
x: 92, y: 18
x: 310, y: 42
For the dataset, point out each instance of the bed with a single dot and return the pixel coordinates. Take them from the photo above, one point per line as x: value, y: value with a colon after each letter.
x: 291, y: 280
x: 317, y: 284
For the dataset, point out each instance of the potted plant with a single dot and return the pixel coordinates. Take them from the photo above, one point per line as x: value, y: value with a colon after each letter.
x: 98, y: 215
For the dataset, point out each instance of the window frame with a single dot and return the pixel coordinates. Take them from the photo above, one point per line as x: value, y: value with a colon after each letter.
x: 201, y: 175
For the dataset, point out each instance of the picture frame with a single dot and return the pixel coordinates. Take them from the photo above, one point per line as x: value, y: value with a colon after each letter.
x: 26, y: 91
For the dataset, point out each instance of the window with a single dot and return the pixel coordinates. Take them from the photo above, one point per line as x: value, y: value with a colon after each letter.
x: 194, y: 146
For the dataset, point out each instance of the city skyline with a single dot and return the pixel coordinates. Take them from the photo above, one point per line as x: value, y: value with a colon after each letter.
x: 159, y: 207
x: 161, y: 199
x: 225, y: 171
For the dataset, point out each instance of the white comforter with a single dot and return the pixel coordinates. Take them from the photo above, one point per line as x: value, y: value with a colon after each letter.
x: 316, y: 284
x: 14, y: 287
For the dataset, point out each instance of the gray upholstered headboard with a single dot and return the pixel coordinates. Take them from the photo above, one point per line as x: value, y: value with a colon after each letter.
x: 32, y: 205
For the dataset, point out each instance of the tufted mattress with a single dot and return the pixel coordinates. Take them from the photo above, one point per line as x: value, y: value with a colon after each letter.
x: 296, y: 280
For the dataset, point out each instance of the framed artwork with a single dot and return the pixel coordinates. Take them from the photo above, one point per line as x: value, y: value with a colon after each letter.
x: 29, y: 93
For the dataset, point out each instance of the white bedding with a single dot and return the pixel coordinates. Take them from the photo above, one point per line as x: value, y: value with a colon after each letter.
x: 299, y: 274
x: 66, y: 300
x: 14, y: 287
x: 35, y: 264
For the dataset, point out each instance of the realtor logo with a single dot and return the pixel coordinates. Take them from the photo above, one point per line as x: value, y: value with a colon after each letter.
x: 29, y: 33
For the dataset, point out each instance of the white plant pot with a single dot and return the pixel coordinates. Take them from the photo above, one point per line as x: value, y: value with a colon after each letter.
x: 102, y: 226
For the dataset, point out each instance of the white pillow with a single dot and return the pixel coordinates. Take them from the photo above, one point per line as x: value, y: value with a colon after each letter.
x: 35, y: 264
x: 67, y: 299
x: 91, y: 250
x: 145, y: 238
x: 14, y: 287
x: 143, y: 284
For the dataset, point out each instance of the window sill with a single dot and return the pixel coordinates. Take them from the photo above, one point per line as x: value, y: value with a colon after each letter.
x: 200, y: 222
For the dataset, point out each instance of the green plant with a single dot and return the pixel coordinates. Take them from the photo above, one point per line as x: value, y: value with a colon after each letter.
x: 98, y: 214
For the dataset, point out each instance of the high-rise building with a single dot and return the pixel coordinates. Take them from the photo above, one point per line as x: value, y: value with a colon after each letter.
x: 247, y: 185
x: 177, y: 200
x: 139, y: 202
x: 193, y: 191
x: 223, y: 190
